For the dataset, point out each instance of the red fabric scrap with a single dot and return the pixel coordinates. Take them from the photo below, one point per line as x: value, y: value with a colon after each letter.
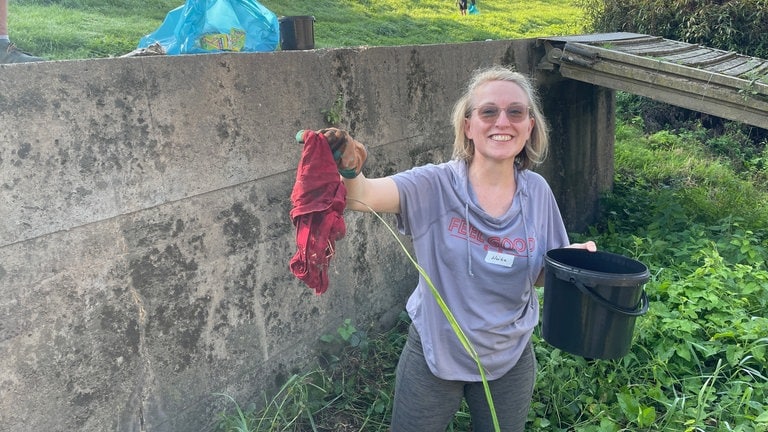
x: 318, y: 199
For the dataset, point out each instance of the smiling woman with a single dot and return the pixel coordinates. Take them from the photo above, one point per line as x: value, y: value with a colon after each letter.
x: 490, y: 128
x: 521, y: 103
x: 456, y: 212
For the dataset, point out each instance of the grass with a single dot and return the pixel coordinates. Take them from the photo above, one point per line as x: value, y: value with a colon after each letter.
x: 78, y: 29
x: 707, y: 184
x: 64, y: 29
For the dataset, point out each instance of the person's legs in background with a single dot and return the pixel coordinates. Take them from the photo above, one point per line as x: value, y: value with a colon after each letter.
x: 8, y: 51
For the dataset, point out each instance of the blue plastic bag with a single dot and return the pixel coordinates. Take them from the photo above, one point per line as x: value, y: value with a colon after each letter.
x: 208, y: 26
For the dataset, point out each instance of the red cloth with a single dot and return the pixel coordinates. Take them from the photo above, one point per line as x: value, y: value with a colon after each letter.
x: 319, y: 199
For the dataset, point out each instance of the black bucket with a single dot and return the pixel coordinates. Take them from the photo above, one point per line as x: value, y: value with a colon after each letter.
x: 591, y: 300
x: 297, y: 32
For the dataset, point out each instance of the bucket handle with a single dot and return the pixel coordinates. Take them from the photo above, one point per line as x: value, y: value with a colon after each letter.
x: 644, y: 304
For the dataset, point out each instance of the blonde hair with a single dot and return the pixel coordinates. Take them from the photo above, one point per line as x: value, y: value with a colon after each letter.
x: 535, y: 149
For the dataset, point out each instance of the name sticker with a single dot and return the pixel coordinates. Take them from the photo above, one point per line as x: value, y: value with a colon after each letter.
x: 501, y: 259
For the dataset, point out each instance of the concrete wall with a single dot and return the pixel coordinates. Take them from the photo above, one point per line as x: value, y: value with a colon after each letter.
x: 145, y: 239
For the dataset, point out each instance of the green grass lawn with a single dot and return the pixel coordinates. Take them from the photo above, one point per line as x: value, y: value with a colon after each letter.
x: 77, y: 29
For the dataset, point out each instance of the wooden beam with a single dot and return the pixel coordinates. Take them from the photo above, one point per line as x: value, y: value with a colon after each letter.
x: 716, y: 82
x: 675, y: 91
x: 662, y: 67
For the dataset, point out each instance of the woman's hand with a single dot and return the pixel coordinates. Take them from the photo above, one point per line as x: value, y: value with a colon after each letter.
x: 349, y: 154
x: 590, y: 246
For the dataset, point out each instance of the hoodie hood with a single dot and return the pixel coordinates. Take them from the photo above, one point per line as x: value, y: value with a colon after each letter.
x: 460, y: 182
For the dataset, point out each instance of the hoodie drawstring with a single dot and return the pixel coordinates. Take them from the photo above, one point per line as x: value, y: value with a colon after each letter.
x: 469, y: 243
x: 523, y: 195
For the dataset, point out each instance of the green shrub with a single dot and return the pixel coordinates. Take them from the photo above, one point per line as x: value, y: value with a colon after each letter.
x: 698, y: 362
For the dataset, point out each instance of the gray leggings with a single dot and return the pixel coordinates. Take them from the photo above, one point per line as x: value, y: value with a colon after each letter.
x: 426, y: 403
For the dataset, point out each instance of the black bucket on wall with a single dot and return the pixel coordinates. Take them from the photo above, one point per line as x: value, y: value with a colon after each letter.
x: 591, y: 301
x: 297, y: 32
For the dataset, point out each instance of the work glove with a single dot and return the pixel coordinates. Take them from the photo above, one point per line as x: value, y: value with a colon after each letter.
x: 349, y: 154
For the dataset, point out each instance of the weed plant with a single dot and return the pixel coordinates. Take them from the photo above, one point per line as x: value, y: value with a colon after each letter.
x: 351, y: 389
x: 698, y: 362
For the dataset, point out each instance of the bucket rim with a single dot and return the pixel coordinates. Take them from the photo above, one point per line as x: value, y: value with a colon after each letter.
x: 594, y: 275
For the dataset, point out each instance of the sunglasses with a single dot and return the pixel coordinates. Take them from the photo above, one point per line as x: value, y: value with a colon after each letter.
x: 515, y: 112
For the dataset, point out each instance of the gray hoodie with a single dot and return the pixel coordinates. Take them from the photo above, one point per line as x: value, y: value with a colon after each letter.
x: 483, y: 267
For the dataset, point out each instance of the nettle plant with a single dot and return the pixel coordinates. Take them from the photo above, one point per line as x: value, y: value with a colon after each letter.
x: 699, y: 360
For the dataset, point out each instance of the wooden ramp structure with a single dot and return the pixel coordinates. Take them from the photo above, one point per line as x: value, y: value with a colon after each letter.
x: 720, y: 83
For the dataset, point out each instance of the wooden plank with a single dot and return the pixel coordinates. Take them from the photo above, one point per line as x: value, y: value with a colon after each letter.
x: 714, y: 61
x: 748, y: 68
x: 679, y: 58
x: 632, y: 41
x: 726, y: 65
x: 679, y: 83
x: 658, y: 50
x: 639, y: 45
x: 660, y: 66
x: 707, y: 59
x: 688, y: 75
x: 761, y: 70
x: 616, y: 38
x: 672, y: 96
